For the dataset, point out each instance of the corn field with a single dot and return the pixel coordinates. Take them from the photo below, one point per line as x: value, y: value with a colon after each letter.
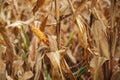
x: 59, y: 39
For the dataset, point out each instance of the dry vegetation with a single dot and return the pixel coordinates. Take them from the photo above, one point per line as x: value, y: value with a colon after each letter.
x: 59, y: 40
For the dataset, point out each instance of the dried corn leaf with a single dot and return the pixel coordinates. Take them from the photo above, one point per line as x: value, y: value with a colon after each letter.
x: 93, y: 3
x: 98, y: 31
x: 2, y: 65
x: 27, y: 75
x: 17, y: 68
x: 18, y: 24
x: 39, y: 34
x: 98, y: 14
x: 8, y: 77
x: 19, y: 71
x: 82, y: 36
x: 53, y: 43
x: 39, y: 3
x: 33, y: 52
x: 54, y: 58
x: 66, y: 69
x: 97, y: 63
x: 57, y: 10
x: 116, y: 75
x: 33, y: 49
x: 38, y: 67
x: 43, y: 24
x: 81, y: 5
x: 2, y: 40
x: 58, y: 64
x: 10, y: 51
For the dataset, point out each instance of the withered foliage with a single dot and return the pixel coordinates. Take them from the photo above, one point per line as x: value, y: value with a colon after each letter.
x: 59, y: 40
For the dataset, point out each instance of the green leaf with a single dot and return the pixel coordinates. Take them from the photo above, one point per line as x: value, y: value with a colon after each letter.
x: 70, y: 39
x: 25, y: 38
x: 81, y: 71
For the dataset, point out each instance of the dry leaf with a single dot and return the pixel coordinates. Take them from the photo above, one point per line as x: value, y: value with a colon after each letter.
x: 98, y: 31
x: 58, y: 64
x: 66, y: 69
x: 32, y: 52
x: 2, y: 40
x: 81, y: 5
x: 43, y: 24
x: 54, y: 58
x: 39, y: 3
x: 17, y: 68
x: 57, y: 10
x: 33, y: 48
x: 10, y: 51
x: 19, y: 71
x: 70, y: 55
x: 8, y: 77
x: 97, y: 63
x: 38, y: 67
x: 27, y: 75
x: 116, y: 75
x: 82, y: 36
x: 18, y: 24
x: 2, y: 65
x: 93, y: 3
x: 52, y: 43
